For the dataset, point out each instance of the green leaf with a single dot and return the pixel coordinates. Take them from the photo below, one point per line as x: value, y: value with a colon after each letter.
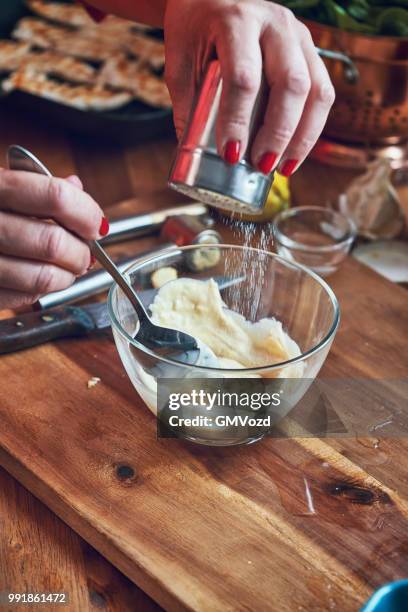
x: 364, y: 16
x: 346, y: 22
x: 358, y: 9
x: 393, y: 22
x: 300, y: 4
x: 385, y: 5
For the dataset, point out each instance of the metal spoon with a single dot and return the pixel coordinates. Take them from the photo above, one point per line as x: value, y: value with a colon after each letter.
x: 168, y: 343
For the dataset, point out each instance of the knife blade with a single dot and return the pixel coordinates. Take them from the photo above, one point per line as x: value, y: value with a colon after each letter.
x: 146, y: 224
x: 34, y: 328
x: 94, y: 282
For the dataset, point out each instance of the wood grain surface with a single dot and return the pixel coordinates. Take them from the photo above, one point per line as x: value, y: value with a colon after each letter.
x: 199, y: 528
x: 40, y: 553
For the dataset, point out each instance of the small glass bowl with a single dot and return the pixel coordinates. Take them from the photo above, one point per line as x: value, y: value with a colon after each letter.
x: 268, y: 286
x: 316, y: 237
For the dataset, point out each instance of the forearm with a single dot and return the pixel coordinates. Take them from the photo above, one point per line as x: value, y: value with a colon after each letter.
x: 150, y: 12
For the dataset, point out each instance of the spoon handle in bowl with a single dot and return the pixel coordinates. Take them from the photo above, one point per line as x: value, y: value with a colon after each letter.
x: 125, y: 285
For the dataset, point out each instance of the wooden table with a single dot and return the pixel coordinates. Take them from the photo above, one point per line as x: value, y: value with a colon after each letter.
x: 38, y: 551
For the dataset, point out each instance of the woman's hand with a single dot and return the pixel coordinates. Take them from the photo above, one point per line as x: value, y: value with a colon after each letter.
x: 38, y: 256
x: 248, y: 37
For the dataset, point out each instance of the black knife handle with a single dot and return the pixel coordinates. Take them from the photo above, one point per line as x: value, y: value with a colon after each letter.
x: 35, y: 328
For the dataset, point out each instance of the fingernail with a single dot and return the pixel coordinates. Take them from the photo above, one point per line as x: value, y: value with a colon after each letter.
x: 231, y: 151
x: 104, y: 229
x: 75, y: 180
x: 267, y: 162
x: 94, y: 13
x: 288, y: 167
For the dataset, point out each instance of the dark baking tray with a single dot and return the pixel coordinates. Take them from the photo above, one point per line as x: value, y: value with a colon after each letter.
x: 135, y: 122
x: 131, y: 124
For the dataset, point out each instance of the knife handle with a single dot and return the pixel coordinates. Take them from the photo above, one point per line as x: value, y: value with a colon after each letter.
x: 35, y: 328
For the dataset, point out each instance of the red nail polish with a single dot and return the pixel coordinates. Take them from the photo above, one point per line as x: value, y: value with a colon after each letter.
x: 94, y: 13
x: 267, y: 162
x: 104, y: 229
x: 288, y: 167
x: 231, y: 151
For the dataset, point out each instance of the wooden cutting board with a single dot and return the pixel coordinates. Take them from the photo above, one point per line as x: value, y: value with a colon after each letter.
x: 218, y: 529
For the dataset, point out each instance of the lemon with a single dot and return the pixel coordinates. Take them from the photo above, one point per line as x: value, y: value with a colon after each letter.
x: 278, y: 199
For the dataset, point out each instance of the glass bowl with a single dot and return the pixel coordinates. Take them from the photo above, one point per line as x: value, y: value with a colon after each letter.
x: 316, y: 237
x: 261, y: 285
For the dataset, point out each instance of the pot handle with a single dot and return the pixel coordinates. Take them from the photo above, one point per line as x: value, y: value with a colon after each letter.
x: 350, y: 69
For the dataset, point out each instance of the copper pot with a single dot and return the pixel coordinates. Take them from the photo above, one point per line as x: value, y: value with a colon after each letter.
x: 371, y: 108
